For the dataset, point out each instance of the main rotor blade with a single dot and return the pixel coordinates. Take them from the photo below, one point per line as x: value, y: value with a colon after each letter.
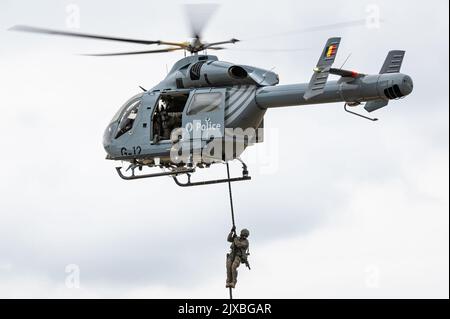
x: 324, y: 27
x: 25, y: 28
x: 232, y: 41
x: 264, y: 50
x: 198, y: 16
x: 135, y: 52
x: 332, y: 26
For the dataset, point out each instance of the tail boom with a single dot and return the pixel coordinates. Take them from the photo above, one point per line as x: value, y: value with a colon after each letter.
x: 366, y: 88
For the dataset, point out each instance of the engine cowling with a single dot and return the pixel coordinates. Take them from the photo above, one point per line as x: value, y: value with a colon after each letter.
x: 218, y: 73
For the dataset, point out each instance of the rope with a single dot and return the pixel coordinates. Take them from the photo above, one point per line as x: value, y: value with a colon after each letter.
x: 232, y: 212
x: 231, y: 195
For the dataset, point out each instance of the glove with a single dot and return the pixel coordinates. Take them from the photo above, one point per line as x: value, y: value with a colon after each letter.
x: 233, y: 229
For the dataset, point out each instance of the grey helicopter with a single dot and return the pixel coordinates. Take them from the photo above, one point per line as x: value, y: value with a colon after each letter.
x: 208, y: 111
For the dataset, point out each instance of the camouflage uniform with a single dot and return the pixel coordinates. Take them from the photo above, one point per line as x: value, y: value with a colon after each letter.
x: 237, y: 255
x: 164, y: 118
x: 156, y: 129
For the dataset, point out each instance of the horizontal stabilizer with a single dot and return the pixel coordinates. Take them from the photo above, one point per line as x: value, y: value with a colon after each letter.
x: 345, y: 73
x: 322, y: 70
x: 375, y: 105
x: 393, y: 62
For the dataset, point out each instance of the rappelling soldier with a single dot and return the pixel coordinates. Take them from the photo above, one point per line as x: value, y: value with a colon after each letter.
x: 238, y: 254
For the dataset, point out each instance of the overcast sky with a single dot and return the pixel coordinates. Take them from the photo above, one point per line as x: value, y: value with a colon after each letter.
x: 337, y: 207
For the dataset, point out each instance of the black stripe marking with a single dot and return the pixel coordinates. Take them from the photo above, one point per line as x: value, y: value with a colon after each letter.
x: 231, y: 94
x: 241, y: 93
x: 243, y: 104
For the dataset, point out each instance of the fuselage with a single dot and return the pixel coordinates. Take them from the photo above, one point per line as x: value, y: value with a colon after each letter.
x: 209, y: 100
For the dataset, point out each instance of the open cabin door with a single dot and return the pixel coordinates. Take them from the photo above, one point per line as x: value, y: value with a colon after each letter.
x: 204, y: 114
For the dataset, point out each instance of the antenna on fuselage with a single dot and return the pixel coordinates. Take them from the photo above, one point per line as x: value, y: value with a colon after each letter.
x: 346, y: 60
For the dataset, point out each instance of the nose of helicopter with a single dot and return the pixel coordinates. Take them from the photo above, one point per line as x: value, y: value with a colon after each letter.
x: 107, y: 138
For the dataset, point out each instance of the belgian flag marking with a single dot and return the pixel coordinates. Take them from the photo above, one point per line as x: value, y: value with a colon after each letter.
x: 331, y: 51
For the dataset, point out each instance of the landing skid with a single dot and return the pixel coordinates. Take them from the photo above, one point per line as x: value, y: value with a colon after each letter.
x: 171, y: 173
x: 216, y: 181
x: 244, y: 177
x: 188, y: 171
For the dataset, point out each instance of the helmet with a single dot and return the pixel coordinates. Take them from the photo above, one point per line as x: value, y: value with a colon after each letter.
x: 245, y: 233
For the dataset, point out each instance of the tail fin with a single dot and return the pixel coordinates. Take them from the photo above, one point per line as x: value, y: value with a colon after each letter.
x: 322, y: 70
x: 393, y: 62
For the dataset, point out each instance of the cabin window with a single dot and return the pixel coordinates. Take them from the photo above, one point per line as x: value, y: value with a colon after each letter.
x: 205, y: 102
x: 128, y: 117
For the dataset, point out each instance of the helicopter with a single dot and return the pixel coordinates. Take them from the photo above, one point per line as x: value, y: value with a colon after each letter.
x: 207, y: 111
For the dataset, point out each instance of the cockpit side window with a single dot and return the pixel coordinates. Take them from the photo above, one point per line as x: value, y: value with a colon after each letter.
x: 128, y: 117
x: 119, y: 113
